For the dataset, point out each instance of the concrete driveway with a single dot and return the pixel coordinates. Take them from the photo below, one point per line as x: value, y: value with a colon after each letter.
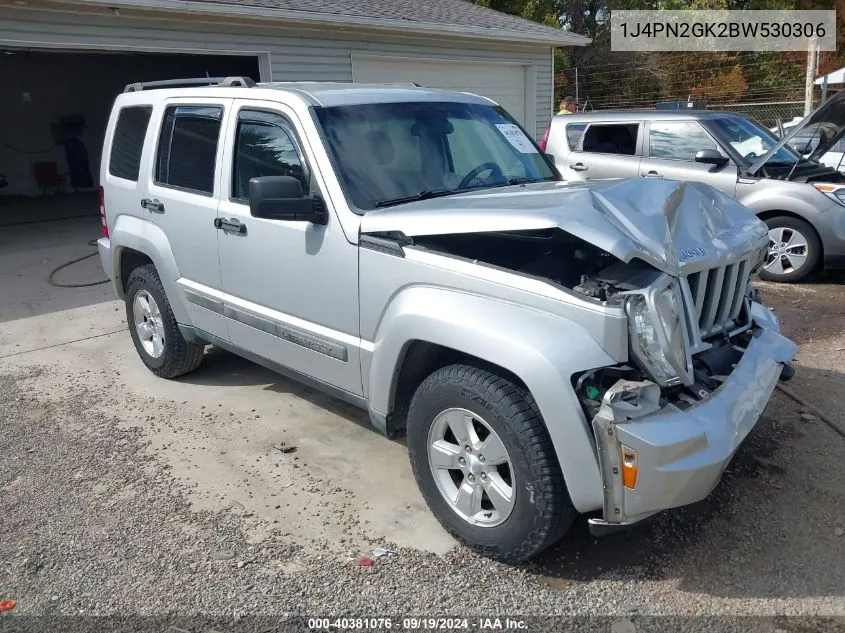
x: 217, y: 428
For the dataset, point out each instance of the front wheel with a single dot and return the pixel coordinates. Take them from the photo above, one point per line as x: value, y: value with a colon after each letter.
x: 485, y: 465
x: 794, y: 250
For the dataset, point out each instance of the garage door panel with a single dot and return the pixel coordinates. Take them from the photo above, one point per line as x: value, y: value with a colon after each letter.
x: 503, y: 83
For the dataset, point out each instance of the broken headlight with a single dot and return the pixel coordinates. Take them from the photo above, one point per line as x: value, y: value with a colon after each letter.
x: 655, y: 322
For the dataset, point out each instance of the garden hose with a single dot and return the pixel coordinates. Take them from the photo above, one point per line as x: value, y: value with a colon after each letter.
x: 59, y: 284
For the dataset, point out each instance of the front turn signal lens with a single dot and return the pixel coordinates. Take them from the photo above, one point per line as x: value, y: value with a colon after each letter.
x: 630, y: 467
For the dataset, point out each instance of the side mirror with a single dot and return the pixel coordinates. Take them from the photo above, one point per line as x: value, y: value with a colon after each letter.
x: 281, y: 198
x: 710, y: 157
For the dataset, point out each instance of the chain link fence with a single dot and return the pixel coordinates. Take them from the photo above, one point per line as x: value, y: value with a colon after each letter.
x: 766, y: 113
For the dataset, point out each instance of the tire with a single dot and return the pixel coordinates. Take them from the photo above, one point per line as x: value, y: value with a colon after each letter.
x: 174, y: 356
x: 785, y: 268
x: 540, y: 508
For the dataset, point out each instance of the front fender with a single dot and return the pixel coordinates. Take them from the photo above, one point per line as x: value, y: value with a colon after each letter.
x: 787, y: 199
x: 130, y: 232
x: 542, y: 349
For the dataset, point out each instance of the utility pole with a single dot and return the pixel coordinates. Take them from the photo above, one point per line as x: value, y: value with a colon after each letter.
x: 810, y: 78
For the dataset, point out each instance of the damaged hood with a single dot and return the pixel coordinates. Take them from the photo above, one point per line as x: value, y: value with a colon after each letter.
x: 827, y: 124
x: 666, y: 223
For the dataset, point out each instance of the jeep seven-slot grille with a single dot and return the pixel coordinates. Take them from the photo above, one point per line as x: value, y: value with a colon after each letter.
x: 718, y: 294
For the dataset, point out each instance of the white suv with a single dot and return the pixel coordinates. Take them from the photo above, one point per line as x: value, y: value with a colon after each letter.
x: 549, y: 349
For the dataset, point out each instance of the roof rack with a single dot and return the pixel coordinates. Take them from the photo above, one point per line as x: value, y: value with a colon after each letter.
x: 223, y: 82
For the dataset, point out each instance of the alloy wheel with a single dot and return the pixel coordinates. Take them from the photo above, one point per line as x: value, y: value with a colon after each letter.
x: 471, y: 467
x: 788, y: 250
x: 148, y: 323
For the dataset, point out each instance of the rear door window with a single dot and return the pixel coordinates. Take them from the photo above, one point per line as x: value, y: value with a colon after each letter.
x: 128, y: 142
x: 611, y: 138
x: 677, y: 140
x: 187, y: 150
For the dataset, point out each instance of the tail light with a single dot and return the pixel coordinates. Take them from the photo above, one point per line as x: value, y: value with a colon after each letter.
x: 102, y: 195
x: 545, y: 139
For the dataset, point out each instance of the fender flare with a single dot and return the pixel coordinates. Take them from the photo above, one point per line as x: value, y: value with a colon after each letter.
x: 147, y: 238
x: 543, y: 351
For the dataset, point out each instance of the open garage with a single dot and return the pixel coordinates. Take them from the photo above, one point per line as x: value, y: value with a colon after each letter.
x: 54, y: 114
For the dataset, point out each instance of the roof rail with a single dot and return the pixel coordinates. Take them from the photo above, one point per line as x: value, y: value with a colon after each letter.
x: 224, y: 82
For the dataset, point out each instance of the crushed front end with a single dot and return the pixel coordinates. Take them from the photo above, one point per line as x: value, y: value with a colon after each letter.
x: 705, y: 357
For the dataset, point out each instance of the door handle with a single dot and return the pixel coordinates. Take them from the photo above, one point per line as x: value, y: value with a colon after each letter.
x: 230, y: 226
x: 155, y: 206
x: 579, y: 167
x: 652, y: 174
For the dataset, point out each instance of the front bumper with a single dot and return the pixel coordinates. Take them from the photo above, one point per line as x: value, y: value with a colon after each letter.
x: 682, y: 453
x: 830, y: 225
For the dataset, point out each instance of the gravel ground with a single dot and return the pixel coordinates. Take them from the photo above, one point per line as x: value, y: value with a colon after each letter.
x: 93, y: 521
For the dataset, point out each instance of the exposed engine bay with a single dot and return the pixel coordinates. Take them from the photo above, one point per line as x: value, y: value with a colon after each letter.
x: 803, y: 172
x: 549, y: 254
x: 710, y: 369
x: 557, y: 257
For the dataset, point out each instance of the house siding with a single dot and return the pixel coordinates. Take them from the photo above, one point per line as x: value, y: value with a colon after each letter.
x: 295, y: 54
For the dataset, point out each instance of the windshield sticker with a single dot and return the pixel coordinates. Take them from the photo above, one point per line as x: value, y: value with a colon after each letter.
x: 517, y: 138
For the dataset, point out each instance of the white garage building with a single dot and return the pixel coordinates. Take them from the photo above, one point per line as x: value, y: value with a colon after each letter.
x: 62, y: 62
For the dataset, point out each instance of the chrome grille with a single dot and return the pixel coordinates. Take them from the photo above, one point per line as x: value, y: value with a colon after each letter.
x: 717, y: 295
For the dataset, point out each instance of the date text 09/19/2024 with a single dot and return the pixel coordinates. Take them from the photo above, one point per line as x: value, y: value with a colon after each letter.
x: 416, y: 623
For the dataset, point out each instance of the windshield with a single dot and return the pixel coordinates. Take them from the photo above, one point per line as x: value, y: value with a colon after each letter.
x: 750, y: 140
x: 389, y: 153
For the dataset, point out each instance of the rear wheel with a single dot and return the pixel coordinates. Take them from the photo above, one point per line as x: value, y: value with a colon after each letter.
x: 484, y: 462
x: 794, y: 250
x: 154, y: 329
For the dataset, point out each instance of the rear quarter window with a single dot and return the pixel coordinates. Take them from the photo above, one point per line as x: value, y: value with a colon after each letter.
x: 128, y: 142
x: 574, y: 132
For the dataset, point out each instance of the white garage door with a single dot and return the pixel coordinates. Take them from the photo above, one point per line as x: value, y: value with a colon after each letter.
x: 503, y: 83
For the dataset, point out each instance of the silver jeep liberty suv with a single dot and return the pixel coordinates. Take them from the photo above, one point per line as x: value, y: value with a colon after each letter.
x: 549, y: 349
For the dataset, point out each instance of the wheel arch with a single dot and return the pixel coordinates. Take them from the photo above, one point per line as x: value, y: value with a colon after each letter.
x: 419, y: 359
x: 774, y: 213
x: 127, y: 260
x: 428, y: 328
x: 137, y: 242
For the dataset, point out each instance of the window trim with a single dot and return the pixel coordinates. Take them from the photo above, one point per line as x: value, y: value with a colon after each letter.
x: 154, y: 175
x: 638, y: 144
x: 297, y: 145
x: 142, y: 106
x: 647, y: 142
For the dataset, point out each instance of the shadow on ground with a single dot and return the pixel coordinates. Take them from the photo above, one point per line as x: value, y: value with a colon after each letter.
x: 224, y: 369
